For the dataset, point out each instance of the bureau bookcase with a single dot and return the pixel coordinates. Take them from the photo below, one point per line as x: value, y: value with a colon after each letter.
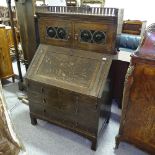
x: 67, y: 80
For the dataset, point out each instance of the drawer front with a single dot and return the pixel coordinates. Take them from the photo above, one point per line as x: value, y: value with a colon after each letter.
x: 53, y: 115
x: 80, y: 123
x: 37, y: 109
x: 63, y: 100
x: 87, y: 118
x: 35, y: 97
x: 60, y: 99
x: 53, y: 97
x: 64, y: 107
x: 34, y: 87
x: 86, y: 127
x: 60, y: 116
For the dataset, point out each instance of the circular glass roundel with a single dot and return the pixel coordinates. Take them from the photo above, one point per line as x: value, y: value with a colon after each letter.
x: 61, y: 33
x: 99, y: 37
x: 86, y: 36
x: 51, y: 32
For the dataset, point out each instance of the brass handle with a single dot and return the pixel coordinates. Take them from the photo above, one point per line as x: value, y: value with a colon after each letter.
x: 69, y: 36
x: 44, y: 100
x: 76, y: 36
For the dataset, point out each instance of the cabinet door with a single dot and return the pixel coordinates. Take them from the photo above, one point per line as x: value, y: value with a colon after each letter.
x: 6, y: 69
x: 95, y: 37
x: 55, y: 32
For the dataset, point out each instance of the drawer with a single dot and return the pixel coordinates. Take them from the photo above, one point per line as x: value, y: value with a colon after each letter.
x: 60, y: 115
x: 87, y: 127
x: 87, y: 102
x: 33, y: 86
x: 64, y: 100
x: 35, y: 97
x: 37, y: 109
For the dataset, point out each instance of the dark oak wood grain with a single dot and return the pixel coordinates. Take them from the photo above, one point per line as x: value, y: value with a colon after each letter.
x: 67, y: 80
x: 68, y: 93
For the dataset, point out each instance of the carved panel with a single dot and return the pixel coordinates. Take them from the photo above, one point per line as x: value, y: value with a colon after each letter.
x: 97, y: 37
x: 69, y: 69
x: 92, y: 36
x: 57, y: 33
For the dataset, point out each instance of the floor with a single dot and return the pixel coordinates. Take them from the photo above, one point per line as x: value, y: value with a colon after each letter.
x: 48, y: 139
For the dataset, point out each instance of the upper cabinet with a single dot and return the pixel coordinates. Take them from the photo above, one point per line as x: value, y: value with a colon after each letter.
x: 93, y: 29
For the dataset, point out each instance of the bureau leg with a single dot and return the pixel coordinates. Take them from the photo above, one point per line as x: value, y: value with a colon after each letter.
x: 107, y: 121
x: 94, y: 145
x: 117, y: 141
x: 33, y: 120
x: 13, y: 79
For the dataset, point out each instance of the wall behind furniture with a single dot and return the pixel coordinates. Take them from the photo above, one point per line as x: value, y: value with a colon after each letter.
x: 142, y: 10
x: 49, y: 2
x: 3, y: 3
x: 56, y: 2
x: 135, y: 9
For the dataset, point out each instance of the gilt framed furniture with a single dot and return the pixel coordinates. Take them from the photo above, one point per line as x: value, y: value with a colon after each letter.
x: 6, y: 69
x: 67, y: 80
x: 138, y: 115
x: 135, y: 27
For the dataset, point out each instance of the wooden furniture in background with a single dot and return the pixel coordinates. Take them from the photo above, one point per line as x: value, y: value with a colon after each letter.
x: 117, y: 75
x: 135, y: 27
x: 25, y: 17
x: 6, y: 70
x: 92, y: 2
x: 71, y: 2
x: 10, y: 37
x: 4, y: 16
x: 138, y: 114
x: 67, y: 80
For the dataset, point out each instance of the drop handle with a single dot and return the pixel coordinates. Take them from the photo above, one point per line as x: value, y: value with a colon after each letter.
x: 44, y: 100
x: 42, y: 90
x: 76, y: 36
